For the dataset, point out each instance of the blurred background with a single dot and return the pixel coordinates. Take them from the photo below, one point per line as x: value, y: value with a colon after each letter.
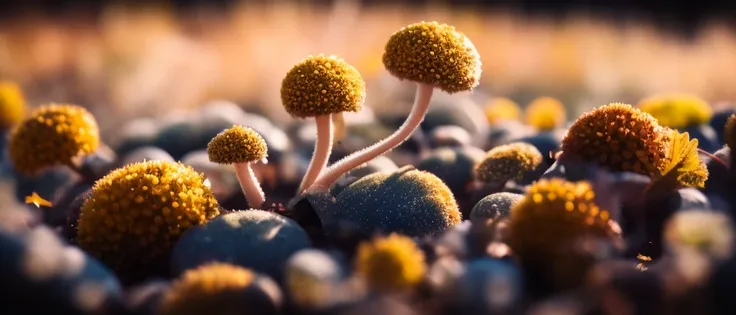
x: 124, y: 60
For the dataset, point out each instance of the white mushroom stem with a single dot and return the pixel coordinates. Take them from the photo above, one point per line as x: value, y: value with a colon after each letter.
x: 249, y: 183
x: 416, y: 116
x: 322, y: 150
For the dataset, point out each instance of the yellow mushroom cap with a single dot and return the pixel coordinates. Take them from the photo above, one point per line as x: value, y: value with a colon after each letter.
x: 237, y: 144
x: 500, y: 109
x: 322, y: 85
x: 53, y: 135
x: 509, y: 161
x: 434, y: 54
x: 545, y: 113
x: 391, y: 263
x: 619, y: 137
x: 12, y: 104
x: 216, y: 286
x: 136, y: 213
x: 677, y: 110
x: 730, y: 132
x: 548, y: 222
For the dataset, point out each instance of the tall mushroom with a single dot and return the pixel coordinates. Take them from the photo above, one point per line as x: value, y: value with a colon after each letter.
x: 434, y: 56
x: 241, y: 146
x: 318, y: 87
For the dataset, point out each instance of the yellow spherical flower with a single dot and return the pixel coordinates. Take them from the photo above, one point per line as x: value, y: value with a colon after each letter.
x: 237, y: 145
x: 391, y: 263
x: 216, y: 286
x: 136, y: 213
x: 507, y: 162
x: 729, y: 132
x: 545, y: 113
x: 677, y: 110
x: 434, y: 54
x: 53, y: 135
x: 12, y: 104
x: 549, y: 221
x: 322, y: 85
x: 619, y: 137
x: 500, y: 109
x: 684, y: 167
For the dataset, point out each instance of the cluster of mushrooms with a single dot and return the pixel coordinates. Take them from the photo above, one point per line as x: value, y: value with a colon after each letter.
x: 626, y: 210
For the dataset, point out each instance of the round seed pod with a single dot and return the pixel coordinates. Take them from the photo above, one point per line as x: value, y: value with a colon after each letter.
x: 619, y: 137
x: 545, y: 113
x: 135, y: 214
x: 237, y: 145
x: 434, y: 54
x: 501, y: 109
x: 507, y: 162
x: 549, y: 225
x: 53, y: 135
x: 220, y: 288
x: 392, y: 263
x: 677, y: 111
x: 12, y: 104
x: 494, y: 206
x: 322, y: 85
x: 407, y: 201
x: 273, y: 237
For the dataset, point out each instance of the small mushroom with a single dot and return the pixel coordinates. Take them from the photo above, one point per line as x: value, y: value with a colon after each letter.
x: 241, y: 146
x: 321, y: 87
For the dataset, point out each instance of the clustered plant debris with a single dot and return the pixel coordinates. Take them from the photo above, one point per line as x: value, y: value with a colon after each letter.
x: 622, y: 212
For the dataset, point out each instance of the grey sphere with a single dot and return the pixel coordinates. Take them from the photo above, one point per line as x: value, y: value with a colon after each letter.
x: 495, y: 206
x: 255, y: 239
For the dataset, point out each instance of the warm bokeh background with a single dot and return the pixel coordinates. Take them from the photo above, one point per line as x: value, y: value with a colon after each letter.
x: 131, y: 61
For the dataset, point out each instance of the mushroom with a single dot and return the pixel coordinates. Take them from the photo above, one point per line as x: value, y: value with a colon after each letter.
x: 430, y: 54
x: 241, y: 146
x: 319, y: 87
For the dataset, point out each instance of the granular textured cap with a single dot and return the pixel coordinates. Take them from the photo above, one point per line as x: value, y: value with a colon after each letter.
x: 322, y: 85
x: 677, y: 111
x: 391, y: 263
x: 501, y: 109
x: 619, y: 137
x: 136, y: 213
x: 434, y: 54
x: 217, y: 286
x: 507, y: 162
x: 549, y: 222
x: 12, y: 104
x: 545, y: 113
x: 53, y: 135
x: 237, y: 145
